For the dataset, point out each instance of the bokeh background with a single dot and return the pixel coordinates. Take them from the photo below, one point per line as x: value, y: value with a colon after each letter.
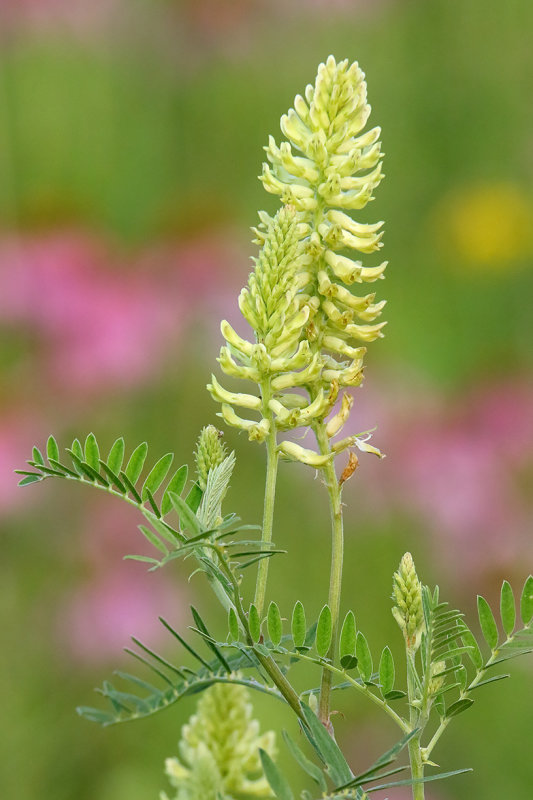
x: 131, y: 132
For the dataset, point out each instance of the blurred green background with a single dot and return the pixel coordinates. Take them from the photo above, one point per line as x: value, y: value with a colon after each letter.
x: 130, y: 137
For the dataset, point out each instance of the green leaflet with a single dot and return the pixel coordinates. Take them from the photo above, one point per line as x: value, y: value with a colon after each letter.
x: 507, y: 608
x: 254, y: 623
x: 153, y: 539
x: 323, y: 631
x: 347, y: 638
x: 37, y: 456
x: 92, y: 452
x: 364, y: 657
x: 487, y: 622
x: 298, y: 625
x: 175, y: 486
x: 278, y: 782
x: 311, y: 769
x: 233, y: 625
x: 386, y: 671
x: 157, y: 475
x: 188, y: 519
x: 326, y: 748
x: 526, y: 601
x: 474, y: 652
x: 52, y: 450
x: 116, y: 456
x: 136, y: 462
x: 274, y: 624
x: 459, y: 706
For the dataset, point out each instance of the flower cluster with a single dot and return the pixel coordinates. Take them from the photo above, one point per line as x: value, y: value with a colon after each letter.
x: 219, y: 749
x: 310, y: 330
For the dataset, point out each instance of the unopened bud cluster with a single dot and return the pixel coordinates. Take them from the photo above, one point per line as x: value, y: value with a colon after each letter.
x: 310, y: 330
x: 210, y: 452
x: 407, y: 594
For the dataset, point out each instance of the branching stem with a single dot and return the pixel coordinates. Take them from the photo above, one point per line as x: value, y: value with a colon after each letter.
x: 267, y: 662
x: 362, y: 689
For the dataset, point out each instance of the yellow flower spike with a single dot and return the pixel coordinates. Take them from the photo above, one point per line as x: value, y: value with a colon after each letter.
x: 337, y: 422
x: 294, y: 452
x: 307, y: 323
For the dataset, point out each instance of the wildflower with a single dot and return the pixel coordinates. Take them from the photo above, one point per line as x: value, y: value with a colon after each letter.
x: 219, y: 749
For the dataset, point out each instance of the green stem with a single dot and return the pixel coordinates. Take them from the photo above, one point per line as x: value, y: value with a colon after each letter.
x: 415, y: 752
x: 335, y: 580
x: 270, y: 493
x: 267, y: 662
x: 363, y: 689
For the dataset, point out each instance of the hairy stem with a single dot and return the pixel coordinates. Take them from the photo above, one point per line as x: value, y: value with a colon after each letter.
x: 335, y: 580
x: 270, y: 493
x: 415, y: 752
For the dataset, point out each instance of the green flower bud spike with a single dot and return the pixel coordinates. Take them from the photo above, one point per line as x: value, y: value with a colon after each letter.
x: 277, y: 312
x: 210, y: 453
x: 219, y: 749
x: 408, y: 611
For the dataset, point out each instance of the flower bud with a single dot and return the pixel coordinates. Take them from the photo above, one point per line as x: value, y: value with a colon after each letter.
x: 210, y: 452
x: 408, y: 611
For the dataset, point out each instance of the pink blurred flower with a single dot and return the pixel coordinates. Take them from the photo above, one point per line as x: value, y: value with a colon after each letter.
x: 96, y: 323
x: 457, y: 464
x: 78, y: 15
x: 92, y: 324
x: 18, y: 433
x: 119, y: 598
x: 101, y: 615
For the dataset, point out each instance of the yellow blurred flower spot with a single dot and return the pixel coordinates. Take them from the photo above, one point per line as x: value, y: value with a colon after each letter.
x: 489, y: 226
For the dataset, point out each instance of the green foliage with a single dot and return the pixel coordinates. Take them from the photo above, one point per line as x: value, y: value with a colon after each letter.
x: 176, y: 681
x: 386, y: 672
x: 487, y: 622
x: 87, y: 467
x: 298, y: 624
x: 275, y: 626
x: 323, y: 631
x: 364, y: 657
